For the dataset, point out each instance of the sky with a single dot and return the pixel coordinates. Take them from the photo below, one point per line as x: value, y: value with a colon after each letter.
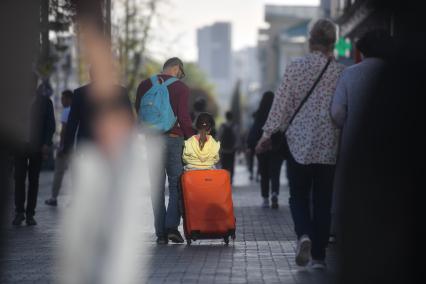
x: 180, y: 19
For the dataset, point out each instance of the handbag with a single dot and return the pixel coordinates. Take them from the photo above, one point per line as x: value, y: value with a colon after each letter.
x: 279, y: 139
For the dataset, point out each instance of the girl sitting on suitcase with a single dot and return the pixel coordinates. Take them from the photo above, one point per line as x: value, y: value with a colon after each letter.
x: 201, y: 151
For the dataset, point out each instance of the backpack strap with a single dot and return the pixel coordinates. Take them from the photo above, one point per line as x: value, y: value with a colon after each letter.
x: 154, y: 80
x: 170, y: 81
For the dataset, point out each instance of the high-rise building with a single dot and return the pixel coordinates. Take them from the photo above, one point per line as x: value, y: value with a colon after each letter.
x: 215, y: 58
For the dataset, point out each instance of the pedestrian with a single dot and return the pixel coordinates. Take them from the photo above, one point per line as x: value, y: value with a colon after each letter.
x: 167, y: 221
x: 29, y: 158
x: 250, y: 153
x: 227, y: 135
x: 270, y: 161
x: 201, y: 151
x: 312, y: 140
x: 61, y: 162
x: 353, y: 93
x: 81, y: 116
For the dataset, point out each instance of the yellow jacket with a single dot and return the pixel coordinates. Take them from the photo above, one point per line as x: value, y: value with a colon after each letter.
x: 194, y: 157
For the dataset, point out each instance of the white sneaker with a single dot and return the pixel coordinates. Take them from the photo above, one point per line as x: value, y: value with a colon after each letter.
x: 303, y: 251
x: 318, y: 264
x: 265, y: 203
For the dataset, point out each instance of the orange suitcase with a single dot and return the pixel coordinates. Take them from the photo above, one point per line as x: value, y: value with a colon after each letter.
x: 208, y: 211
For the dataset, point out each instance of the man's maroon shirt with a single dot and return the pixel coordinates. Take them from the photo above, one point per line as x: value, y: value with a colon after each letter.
x: 178, y: 94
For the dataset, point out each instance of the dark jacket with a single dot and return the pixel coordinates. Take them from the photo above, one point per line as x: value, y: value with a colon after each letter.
x: 42, y: 123
x: 81, y: 116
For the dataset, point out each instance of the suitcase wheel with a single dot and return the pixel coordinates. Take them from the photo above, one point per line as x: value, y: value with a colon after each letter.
x: 226, y: 240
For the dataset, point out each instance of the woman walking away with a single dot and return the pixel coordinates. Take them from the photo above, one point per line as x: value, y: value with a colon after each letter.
x: 202, y: 150
x: 270, y: 161
x: 312, y: 139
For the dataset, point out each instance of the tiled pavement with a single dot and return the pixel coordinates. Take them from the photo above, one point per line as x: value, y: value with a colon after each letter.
x: 263, y: 251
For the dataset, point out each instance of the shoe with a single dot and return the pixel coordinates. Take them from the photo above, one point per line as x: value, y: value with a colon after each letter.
x: 265, y: 203
x: 51, y: 202
x: 31, y: 221
x: 318, y: 264
x: 274, y: 201
x: 162, y: 240
x: 303, y: 251
x: 175, y: 236
x: 19, y: 218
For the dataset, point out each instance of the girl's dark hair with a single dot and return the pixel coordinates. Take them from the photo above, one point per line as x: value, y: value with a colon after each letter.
x: 204, y: 124
x: 264, y: 107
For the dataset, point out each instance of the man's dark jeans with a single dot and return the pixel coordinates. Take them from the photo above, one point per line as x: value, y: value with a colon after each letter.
x: 169, y: 151
x: 316, y: 181
x: 27, y: 163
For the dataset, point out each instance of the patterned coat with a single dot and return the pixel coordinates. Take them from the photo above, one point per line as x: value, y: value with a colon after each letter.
x: 312, y: 137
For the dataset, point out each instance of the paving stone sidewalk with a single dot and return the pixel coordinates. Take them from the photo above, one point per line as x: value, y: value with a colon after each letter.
x: 263, y: 251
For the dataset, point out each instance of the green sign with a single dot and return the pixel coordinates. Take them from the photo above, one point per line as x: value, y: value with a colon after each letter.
x: 343, y: 47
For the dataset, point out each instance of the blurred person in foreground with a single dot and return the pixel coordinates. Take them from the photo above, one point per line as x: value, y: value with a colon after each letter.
x: 353, y: 92
x: 100, y: 232
x: 270, y: 161
x: 29, y: 157
x: 169, y: 149
x: 80, y: 125
x: 379, y: 172
x: 312, y: 139
x: 61, y: 162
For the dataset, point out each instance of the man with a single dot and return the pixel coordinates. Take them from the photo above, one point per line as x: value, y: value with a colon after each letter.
x: 353, y: 92
x: 81, y: 116
x: 167, y: 221
x: 28, y: 160
x: 61, y: 158
x: 228, y: 143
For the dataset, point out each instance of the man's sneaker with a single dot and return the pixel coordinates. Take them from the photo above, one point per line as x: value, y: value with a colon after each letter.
x: 175, y: 236
x: 265, y: 203
x: 274, y: 201
x: 51, y: 202
x: 318, y: 264
x: 303, y: 251
x: 162, y: 240
x: 19, y: 218
x: 31, y: 221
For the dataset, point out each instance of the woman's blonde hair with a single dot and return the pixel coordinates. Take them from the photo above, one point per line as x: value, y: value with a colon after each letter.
x: 322, y: 35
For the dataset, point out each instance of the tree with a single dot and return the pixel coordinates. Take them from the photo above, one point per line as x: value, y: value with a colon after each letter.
x: 131, y: 36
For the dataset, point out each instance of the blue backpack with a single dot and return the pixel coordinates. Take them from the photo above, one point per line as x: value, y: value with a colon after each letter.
x: 155, y: 110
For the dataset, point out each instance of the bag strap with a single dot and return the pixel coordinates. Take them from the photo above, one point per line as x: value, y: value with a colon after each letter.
x: 170, y: 81
x: 154, y: 80
x: 311, y: 90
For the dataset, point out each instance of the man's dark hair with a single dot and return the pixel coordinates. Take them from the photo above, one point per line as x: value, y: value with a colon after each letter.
x: 229, y: 116
x: 67, y: 94
x: 375, y: 43
x: 174, y: 61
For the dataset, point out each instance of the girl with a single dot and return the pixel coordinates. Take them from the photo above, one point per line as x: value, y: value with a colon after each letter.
x: 201, y: 151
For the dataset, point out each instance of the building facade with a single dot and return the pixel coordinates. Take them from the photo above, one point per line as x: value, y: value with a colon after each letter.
x: 284, y: 40
x: 215, y: 58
